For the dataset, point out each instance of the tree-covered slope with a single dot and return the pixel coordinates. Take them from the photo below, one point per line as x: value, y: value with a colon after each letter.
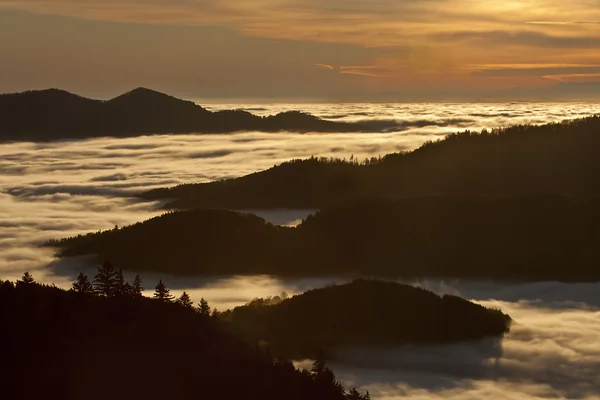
x: 370, y: 313
x: 558, y: 158
x: 484, y: 237
x: 70, y: 345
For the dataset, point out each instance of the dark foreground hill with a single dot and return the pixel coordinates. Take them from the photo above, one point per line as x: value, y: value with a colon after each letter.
x: 55, y: 114
x: 509, y: 238
x: 369, y: 313
x: 559, y: 158
x: 68, y: 345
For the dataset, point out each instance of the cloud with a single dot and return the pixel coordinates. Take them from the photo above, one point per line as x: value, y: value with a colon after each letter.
x: 538, y: 71
x: 411, y: 43
x: 523, y: 38
x: 325, y: 66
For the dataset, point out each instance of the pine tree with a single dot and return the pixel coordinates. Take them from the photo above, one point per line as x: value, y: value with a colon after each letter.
x: 128, y: 290
x: 162, y: 293
x: 319, y: 365
x: 105, y: 280
x: 203, y: 307
x: 82, y: 284
x: 325, y: 378
x: 120, y: 283
x: 354, y: 395
x: 185, y: 300
x: 137, y: 288
x: 215, y: 313
x: 27, y: 278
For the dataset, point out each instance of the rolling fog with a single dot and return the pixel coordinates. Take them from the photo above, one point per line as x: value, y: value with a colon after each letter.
x: 58, y: 189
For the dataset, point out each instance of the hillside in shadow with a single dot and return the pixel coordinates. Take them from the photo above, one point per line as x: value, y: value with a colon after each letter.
x: 522, y: 238
x: 90, y: 343
x: 558, y: 158
x: 365, y: 313
x: 56, y: 114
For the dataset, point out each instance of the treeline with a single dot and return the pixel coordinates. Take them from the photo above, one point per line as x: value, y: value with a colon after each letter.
x: 558, y: 158
x: 365, y: 312
x: 207, y: 242
x: 56, y: 114
x: 87, y: 345
x: 485, y: 237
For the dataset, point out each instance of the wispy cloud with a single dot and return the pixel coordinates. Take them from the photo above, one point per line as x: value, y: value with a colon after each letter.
x: 426, y: 41
x: 325, y: 66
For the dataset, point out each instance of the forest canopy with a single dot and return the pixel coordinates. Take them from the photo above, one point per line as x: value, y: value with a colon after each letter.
x: 557, y: 158
x: 88, y: 345
x: 365, y: 312
x: 481, y: 237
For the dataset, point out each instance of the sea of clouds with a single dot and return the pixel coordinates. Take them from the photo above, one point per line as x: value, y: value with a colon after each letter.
x: 57, y: 189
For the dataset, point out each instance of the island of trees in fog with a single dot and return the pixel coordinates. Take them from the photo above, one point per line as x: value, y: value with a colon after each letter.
x: 56, y: 114
x: 364, y: 312
x: 559, y: 158
x: 103, y: 341
x: 509, y: 238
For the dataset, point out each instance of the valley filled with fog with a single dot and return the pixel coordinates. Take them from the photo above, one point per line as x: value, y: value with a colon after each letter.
x: 50, y: 190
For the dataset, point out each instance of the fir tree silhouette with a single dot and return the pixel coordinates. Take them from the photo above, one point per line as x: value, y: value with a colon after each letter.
x: 26, y: 279
x: 82, y: 284
x: 137, y: 286
x: 162, y: 293
x: 185, y: 300
x: 203, y: 307
x: 120, y: 289
x: 105, y: 280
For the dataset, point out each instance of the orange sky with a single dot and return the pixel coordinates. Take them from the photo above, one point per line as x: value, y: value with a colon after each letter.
x: 297, y: 48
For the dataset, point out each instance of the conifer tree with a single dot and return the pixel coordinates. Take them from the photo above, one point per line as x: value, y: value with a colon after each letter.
x: 27, y: 278
x: 128, y: 290
x: 162, y: 293
x: 185, y: 300
x: 137, y: 288
x: 82, y: 284
x: 354, y: 395
x: 319, y: 365
x: 203, y: 307
x: 120, y: 283
x: 105, y: 280
x: 215, y: 313
x: 325, y: 378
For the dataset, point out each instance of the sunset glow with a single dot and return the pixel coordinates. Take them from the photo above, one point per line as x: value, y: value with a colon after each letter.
x: 271, y: 47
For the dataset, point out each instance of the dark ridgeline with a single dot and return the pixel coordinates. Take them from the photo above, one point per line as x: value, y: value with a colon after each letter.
x: 207, y: 242
x: 74, y: 345
x: 559, y: 158
x: 365, y: 313
x: 505, y: 238
x: 56, y: 114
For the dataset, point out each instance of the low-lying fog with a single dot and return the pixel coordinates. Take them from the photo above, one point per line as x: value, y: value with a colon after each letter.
x: 58, y: 189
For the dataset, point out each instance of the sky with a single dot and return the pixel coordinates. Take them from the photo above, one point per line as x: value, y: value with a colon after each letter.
x: 303, y: 49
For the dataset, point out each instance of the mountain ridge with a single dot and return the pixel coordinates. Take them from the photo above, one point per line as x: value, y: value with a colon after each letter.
x: 53, y: 114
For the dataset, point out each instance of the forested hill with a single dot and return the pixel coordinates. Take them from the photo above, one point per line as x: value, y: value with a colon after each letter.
x: 558, y: 158
x: 366, y: 312
x: 80, y: 346
x: 504, y: 238
x: 56, y: 114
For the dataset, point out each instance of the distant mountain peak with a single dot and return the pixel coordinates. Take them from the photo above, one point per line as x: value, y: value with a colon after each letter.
x: 142, y: 92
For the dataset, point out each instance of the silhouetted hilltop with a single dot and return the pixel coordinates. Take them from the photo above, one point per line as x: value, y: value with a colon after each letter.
x: 77, y: 345
x: 366, y: 312
x: 559, y: 158
x: 204, y: 242
x: 56, y: 114
x: 509, y: 238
